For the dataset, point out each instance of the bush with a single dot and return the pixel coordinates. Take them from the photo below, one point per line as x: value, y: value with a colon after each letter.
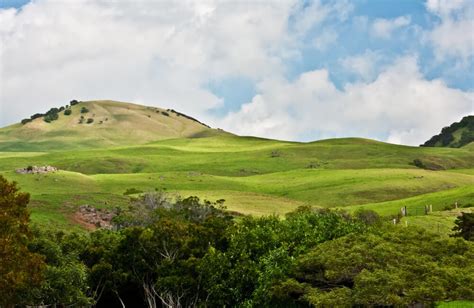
x: 84, y: 110
x: 418, y: 163
x: 24, y: 121
x: 73, y: 102
x: 132, y: 191
x: 67, y: 112
x: 48, y: 118
x: 165, y: 113
x: 90, y: 120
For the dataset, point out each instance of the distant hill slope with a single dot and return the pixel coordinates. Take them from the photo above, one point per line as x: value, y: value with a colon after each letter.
x: 457, y: 135
x: 100, y: 124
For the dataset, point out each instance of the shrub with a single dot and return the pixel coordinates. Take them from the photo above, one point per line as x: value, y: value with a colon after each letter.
x: 67, y: 112
x: 84, y: 110
x: 73, y: 102
x: 165, y: 113
x: 48, y: 118
x: 36, y: 115
x: 464, y: 226
x: 90, y: 120
x: 24, y: 121
x: 132, y: 191
x: 418, y: 163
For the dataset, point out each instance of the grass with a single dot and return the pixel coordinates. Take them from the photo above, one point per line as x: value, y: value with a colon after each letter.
x: 441, y: 222
x: 255, y: 176
x: 456, y: 304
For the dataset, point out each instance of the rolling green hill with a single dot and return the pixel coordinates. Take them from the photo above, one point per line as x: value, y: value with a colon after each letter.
x: 140, y: 148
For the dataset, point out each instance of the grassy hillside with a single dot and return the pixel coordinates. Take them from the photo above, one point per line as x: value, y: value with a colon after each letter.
x: 114, y: 123
x: 99, y: 162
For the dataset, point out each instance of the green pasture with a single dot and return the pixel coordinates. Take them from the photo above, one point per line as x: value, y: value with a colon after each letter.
x: 255, y: 176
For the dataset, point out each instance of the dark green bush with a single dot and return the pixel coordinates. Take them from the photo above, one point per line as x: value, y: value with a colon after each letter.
x: 132, y: 191
x: 67, y: 112
x: 90, y: 120
x: 84, y: 110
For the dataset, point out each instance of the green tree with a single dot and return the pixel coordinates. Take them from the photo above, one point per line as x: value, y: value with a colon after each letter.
x: 262, y: 250
x: 19, y: 267
x: 395, y: 267
x: 464, y: 226
x: 65, y: 277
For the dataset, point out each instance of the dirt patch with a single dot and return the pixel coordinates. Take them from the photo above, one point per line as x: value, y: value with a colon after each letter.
x: 92, y: 218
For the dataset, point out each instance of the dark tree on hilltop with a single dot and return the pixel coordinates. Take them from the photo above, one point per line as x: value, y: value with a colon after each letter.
x: 446, y: 138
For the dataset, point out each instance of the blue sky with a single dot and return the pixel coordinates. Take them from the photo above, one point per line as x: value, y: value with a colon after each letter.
x: 395, y: 71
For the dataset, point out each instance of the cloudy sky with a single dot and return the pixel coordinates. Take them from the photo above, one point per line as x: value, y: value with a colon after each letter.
x: 396, y: 71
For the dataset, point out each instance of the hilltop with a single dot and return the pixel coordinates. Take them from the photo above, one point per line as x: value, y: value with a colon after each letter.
x: 99, y: 124
x: 456, y: 135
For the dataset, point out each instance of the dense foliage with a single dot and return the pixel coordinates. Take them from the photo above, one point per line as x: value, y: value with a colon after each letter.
x: 464, y: 226
x: 392, y: 266
x: 446, y: 137
x: 20, y: 268
x: 174, y: 252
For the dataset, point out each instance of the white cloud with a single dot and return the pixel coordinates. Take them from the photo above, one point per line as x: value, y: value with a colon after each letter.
x: 150, y: 52
x: 166, y: 54
x: 453, y: 35
x: 383, y: 28
x: 324, y: 40
x: 399, y: 104
x: 365, y: 66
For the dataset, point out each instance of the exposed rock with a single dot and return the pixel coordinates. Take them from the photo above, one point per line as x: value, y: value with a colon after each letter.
x: 36, y: 169
x: 101, y: 218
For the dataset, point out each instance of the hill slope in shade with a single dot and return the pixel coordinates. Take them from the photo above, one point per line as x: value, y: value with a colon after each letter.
x: 114, y: 123
x: 456, y: 135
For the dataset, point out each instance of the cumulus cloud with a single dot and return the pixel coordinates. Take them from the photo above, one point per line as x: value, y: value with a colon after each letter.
x: 383, y: 28
x: 399, y: 104
x: 149, y: 52
x: 365, y: 66
x: 167, y: 53
x: 325, y: 39
x: 453, y: 35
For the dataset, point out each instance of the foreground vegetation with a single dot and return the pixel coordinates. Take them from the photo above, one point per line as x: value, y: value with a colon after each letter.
x: 185, y: 253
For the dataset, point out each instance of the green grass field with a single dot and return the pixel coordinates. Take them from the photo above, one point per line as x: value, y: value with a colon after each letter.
x: 255, y: 176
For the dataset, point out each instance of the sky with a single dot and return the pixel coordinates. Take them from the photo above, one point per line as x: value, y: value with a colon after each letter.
x: 395, y: 71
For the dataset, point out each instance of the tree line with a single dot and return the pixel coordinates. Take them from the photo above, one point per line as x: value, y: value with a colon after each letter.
x: 186, y: 252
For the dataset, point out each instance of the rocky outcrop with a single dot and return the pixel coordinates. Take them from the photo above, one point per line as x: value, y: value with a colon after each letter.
x: 100, y: 218
x: 36, y: 170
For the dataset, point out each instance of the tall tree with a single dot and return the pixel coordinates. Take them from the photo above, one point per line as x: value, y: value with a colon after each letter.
x: 19, y: 268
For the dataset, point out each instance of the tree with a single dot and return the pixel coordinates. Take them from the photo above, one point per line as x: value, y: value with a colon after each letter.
x: 19, y: 268
x: 260, y: 252
x: 65, y: 280
x: 385, y: 267
x: 464, y: 226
